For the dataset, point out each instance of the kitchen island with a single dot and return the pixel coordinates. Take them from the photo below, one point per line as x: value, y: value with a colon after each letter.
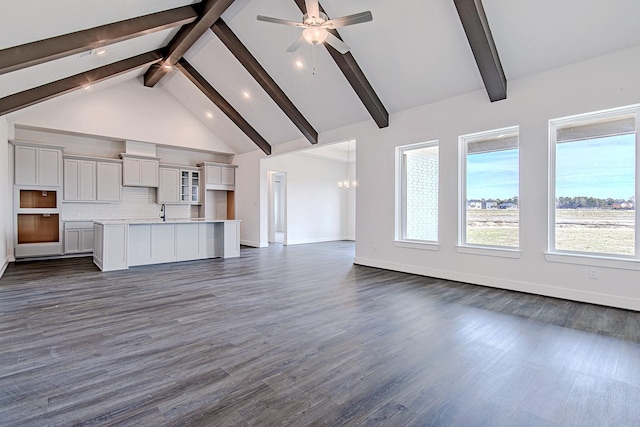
x: 120, y: 244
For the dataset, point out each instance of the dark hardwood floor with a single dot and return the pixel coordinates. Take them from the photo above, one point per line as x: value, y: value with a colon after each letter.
x: 299, y: 336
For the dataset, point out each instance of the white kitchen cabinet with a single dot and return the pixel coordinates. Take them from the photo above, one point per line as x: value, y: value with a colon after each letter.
x: 219, y: 176
x: 78, y: 237
x: 168, y: 185
x: 79, y: 180
x: 163, y: 243
x: 110, y: 246
x: 140, y: 171
x: 228, y: 176
x: 90, y: 179
x: 214, y: 175
x: 179, y: 185
x: 109, y: 181
x: 152, y: 243
x: 190, y: 186
x: 231, y: 239
x: 188, y: 242
x: 38, y: 165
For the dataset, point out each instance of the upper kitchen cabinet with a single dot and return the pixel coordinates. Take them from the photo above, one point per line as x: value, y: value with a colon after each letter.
x: 38, y: 164
x: 140, y: 171
x: 169, y: 185
x: 179, y: 185
x: 79, y: 180
x: 92, y: 179
x: 109, y: 181
x: 219, y: 176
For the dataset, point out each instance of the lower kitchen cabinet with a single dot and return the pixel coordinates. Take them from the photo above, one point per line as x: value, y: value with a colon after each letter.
x: 78, y: 237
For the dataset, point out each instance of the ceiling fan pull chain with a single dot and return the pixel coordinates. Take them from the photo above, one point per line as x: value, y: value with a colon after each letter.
x: 313, y: 59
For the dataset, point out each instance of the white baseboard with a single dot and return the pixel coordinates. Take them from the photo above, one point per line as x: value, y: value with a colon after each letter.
x: 512, y: 285
x: 314, y: 240
x: 250, y: 243
x: 5, y: 264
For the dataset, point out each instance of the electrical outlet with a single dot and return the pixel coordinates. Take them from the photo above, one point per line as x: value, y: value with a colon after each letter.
x: 593, y: 273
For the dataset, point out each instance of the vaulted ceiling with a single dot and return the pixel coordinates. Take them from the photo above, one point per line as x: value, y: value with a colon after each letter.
x: 239, y: 81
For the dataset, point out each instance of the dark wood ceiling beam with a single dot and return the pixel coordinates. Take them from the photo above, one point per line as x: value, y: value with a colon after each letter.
x: 186, y: 37
x: 484, y: 49
x: 215, y: 97
x: 356, y: 78
x: 38, y: 52
x: 42, y: 93
x: 251, y: 64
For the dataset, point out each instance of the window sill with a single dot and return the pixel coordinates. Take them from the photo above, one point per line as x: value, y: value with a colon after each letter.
x: 415, y: 244
x: 593, y: 260
x: 494, y: 252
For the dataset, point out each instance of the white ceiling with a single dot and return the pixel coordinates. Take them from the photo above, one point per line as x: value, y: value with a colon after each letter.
x: 414, y: 52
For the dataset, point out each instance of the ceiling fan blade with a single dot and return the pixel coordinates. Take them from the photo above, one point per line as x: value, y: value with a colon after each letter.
x: 313, y: 9
x: 337, y: 44
x: 296, y: 44
x: 343, y: 21
x: 280, y: 21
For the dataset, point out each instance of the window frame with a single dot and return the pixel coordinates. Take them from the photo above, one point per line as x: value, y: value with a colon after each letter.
x: 582, y: 257
x: 473, y: 248
x: 401, y: 199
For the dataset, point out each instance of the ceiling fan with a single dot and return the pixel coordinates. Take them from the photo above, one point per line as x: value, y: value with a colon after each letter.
x: 316, y: 24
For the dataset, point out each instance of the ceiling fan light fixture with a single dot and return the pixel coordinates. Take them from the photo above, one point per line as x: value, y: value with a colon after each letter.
x: 315, y: 35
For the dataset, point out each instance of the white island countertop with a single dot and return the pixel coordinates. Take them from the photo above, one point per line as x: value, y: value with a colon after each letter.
x: 160, y: 221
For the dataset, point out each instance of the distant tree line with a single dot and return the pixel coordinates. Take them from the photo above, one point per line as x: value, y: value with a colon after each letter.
x: 513, y: 200
x: 593, y: 203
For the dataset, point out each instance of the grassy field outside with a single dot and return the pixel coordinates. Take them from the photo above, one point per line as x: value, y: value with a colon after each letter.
x: 582, y: 230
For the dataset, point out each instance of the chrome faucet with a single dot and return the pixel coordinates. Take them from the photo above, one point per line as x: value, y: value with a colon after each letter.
x: 163, y: 215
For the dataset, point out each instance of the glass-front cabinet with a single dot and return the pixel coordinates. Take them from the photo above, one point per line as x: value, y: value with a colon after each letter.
x: 189, y: 186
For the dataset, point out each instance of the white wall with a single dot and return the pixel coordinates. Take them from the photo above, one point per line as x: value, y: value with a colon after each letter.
x: 5, y: 214
x: 126, y: 111
x: 315, y: 206
x: 249, y: 199
x: 600, y: 83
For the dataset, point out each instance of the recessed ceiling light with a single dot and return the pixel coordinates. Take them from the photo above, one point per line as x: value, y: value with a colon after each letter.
x: 168, y: 67
x: 209, y: 114
x: 100, y: 52
x: 246, y: 94
x: 299, y: 64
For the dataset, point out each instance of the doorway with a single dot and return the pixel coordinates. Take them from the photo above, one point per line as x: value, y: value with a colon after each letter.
x: 278, y: 207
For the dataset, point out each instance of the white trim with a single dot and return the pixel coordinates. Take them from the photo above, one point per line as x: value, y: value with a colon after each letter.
x: 586, y: 258
x: 415, y: 244
x: 4, y: 266
x: 400, y: 185
x: 512, y: 285
x: 463, y: 141
x: 594, y: 261
x: 250, y: 243
x: 313, y: 240
x: 489, y: 251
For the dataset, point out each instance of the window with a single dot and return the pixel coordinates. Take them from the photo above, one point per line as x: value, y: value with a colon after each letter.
x: 417, y: 210
x: 593, y: 184
x: 489, y: 188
